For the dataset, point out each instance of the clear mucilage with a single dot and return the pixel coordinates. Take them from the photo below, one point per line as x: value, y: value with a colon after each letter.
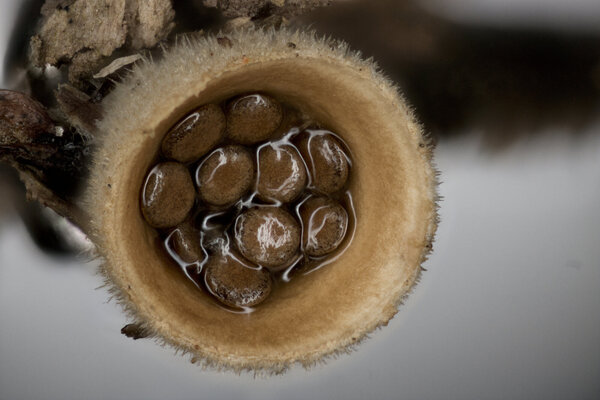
x: 247, y: 194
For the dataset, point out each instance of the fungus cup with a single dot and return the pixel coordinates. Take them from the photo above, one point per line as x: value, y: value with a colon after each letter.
x: 322, y: 313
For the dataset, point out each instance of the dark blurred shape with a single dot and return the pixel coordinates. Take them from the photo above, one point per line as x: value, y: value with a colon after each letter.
x: 15, y: 59
x: 504, y: 82
x: 47, y: 229
x: 8, y: 178
x: 193, y: 15
x: 135, y: 331
x: 23, y: 28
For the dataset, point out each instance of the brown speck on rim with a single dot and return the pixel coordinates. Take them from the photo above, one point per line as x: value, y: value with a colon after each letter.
x: 134, y: 331
x: 224, y: 41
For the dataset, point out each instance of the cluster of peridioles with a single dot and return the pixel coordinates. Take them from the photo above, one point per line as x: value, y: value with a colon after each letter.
x: 269, y: 195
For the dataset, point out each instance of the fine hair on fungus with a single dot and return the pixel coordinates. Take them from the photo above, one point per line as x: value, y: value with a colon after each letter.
x: 393, y: 185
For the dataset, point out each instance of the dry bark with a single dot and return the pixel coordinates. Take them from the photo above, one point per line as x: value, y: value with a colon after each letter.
x: 83, y: 33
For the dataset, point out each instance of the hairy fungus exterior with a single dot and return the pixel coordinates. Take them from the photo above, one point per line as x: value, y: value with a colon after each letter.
x: 318, y: 314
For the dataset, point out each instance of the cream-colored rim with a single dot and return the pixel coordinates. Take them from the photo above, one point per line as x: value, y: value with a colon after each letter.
x: 320, y: 314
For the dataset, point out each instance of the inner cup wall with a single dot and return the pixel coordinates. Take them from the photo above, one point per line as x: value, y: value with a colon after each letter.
x: 349, y: 294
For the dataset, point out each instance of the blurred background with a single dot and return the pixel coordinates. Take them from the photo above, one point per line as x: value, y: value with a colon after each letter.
x: 508, y: 306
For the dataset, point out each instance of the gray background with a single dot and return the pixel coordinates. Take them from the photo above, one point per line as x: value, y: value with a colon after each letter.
x: 507, y: 309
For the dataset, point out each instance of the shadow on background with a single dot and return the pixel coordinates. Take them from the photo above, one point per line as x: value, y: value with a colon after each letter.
x: 48, y: 231
x: 505, y: 83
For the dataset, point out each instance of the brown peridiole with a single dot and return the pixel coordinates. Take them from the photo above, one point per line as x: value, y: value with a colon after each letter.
x: 325, y: 223
x: 252, y: 118
x: 167, y: 195
x: 281, y: 173
x: 326, y: 160
x: 225, y: 175
x: 184, y: 244
x: 268, y: 236
x: 195, y: 135
x: 369, y: 188
x: 236, y: 284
